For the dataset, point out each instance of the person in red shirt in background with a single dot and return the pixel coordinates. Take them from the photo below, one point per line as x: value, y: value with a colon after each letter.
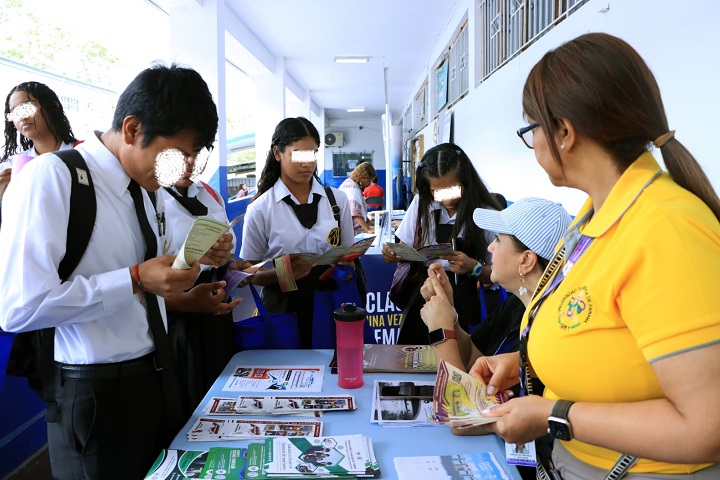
x: 373, y: 190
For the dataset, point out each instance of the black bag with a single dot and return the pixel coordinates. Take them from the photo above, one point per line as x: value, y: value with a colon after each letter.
x: 29, y: 349
x: 407, y: 278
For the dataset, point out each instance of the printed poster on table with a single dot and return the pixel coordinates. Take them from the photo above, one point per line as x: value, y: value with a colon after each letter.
x: 276, y: 379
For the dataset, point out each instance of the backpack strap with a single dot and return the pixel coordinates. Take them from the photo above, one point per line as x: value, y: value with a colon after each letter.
x: 211, y: 191
x: 333, y: 205
x: 33, y: 353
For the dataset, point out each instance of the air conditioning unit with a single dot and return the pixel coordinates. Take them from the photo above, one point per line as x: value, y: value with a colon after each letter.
x: 334, y: 139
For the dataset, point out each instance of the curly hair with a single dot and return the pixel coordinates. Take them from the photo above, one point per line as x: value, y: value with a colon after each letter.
x: 52, y: 111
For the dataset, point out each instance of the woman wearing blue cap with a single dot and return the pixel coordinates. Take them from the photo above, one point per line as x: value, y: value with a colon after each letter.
x: 527, y: 232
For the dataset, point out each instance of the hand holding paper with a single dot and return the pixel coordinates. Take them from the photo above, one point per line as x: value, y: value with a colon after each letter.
x: 201, y: 237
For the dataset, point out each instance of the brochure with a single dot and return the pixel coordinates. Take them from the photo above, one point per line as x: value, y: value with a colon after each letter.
x: 459, y: 398
x: 204, y: 232
x: 177, y: 464
x: 276, y: 378
x: 342, y: 456
x: 481, y: 466
x: 225, y: 463
x: 403, y: 404
x: 337, y: 254
x: 207, y: 429
x: 423, y: 254
x: 257, y: 405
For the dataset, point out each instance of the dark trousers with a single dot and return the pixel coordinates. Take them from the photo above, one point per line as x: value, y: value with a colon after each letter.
x: 107, y: 429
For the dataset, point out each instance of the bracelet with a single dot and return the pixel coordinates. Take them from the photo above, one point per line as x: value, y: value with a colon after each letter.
x: 138, y: 282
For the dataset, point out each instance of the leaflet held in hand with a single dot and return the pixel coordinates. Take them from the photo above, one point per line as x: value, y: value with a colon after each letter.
x: 203, y: 234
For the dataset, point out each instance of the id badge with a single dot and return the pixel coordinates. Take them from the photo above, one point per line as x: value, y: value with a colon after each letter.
x: 521, y: 454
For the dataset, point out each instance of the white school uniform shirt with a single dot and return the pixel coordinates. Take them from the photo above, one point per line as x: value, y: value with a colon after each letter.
x: 98, y: 318
x: 31, y: 152
x: 178, y: 220
x: 406, y: 231
x: 272, y: 229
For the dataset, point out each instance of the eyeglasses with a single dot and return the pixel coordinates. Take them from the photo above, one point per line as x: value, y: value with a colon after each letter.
x: 526, y: 134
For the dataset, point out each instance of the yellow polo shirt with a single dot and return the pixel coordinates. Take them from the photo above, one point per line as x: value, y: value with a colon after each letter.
x: 646, y: 288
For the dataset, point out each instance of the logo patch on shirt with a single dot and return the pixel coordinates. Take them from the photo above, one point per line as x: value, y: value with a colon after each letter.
x: 333, y: 238
x: 575, y: 309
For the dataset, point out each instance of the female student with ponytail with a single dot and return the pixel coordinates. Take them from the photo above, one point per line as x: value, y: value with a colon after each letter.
x: 292, y: 213
x: 624, y: 330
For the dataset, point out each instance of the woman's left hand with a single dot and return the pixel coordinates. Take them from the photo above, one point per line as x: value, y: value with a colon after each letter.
x: 522, y: 419
x: 460, y: 263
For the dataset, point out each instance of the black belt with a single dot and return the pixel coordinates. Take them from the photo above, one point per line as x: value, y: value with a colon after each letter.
x: 108, y: 371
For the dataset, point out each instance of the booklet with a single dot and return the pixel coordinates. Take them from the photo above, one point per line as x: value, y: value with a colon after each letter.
x: 204, y: 232
x: 337, y: 254
x: 422, y: 254
x: 277, y: 378
x: 387, y: 358
x: 459, y: 398
x: 480, y: 466
x: 207, y: 429
x: 177, y: 464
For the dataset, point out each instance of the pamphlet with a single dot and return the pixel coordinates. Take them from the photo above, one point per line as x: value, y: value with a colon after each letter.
x: 204, y: 232
x: 342, y: 456
x: 207, y: 429
x: 257, y: 405
x: 277, y: 378
x: 225, y: 463
x: 177, y: 464
x: 423, y: 254
x: 480, y: 466
x: 336, y: 254
x: 403, y: 404
x: 459, y: 398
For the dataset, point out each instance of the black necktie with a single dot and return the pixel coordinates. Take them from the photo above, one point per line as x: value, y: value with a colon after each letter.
x: 191, y: 204
x: 163, y: 355
x: 307, y: 213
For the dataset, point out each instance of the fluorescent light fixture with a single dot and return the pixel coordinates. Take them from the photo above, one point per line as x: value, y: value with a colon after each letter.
x: 352, y: 59
x: 355, y: 110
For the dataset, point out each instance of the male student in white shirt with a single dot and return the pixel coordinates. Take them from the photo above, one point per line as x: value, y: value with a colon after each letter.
x: 109, y: 394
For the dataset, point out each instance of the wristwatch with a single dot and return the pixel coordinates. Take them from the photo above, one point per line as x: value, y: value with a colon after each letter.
x: 477, y: 269
x: 558, y: 423
x: 439, y: 335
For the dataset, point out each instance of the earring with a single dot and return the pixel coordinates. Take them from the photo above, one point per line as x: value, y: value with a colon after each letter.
x: 522, y: 290
x: 562, y: 146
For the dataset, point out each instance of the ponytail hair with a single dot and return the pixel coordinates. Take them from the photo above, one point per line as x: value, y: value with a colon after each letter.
x: 288, y: 131
x: 602, y: 85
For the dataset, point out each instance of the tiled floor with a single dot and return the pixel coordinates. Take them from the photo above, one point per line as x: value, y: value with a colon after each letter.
x: 36, y: 468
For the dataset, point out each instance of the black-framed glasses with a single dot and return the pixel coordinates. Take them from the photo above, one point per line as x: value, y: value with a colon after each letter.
x: 526, y: 134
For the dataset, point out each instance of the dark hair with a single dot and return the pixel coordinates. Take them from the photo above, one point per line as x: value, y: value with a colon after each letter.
x: 288, y: 131
x: 446, y: 159
x: 602, y: 85
x: 52, y: 111
x: 166, y: 101
x: 521, y: 247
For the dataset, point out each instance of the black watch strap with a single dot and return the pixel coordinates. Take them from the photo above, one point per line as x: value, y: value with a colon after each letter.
x: 561, y: 409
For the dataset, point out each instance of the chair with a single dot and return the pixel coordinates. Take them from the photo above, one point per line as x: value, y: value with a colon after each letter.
x: 374, y: 203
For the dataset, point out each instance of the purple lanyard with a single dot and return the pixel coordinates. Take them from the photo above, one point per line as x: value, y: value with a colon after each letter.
x: 561, y: 273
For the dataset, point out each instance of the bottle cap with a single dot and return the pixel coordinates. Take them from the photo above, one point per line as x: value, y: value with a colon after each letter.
x: 348, y: 312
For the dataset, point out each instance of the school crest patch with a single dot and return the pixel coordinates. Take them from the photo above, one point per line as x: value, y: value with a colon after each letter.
x: 575, y: 309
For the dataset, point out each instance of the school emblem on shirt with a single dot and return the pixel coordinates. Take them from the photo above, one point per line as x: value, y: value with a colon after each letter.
x: 333, y: 237
x: 575, y: 309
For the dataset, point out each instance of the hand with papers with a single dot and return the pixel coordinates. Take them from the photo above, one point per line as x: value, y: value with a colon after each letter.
x: 459, y: 400
x: 207, y: 240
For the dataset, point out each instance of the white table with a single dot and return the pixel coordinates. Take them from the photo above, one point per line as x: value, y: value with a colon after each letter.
x: 388, y: 442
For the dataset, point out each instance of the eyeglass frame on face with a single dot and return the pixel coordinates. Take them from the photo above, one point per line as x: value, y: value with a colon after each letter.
x: 523, y: 131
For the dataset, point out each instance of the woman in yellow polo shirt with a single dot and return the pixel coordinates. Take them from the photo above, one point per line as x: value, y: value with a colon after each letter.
x: 625, y: 330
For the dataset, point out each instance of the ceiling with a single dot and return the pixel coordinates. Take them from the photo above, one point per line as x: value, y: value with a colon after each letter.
x: 398, y: 35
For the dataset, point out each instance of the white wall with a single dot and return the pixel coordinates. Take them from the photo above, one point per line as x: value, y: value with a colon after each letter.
x: 679, y: 41
x: 362, y: 135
